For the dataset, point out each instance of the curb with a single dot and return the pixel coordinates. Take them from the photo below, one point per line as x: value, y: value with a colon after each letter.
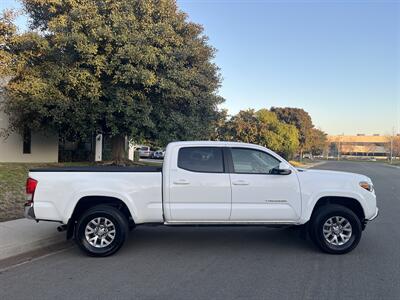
x: 17, y: 260
x: 313, y: 165
x: 23, y: 236
x: 392, y: 166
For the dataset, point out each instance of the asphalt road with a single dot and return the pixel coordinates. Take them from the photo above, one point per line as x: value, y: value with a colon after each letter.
x: 227, y: 263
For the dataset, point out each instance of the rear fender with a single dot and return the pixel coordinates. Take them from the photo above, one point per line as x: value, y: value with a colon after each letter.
x: 78, y: 196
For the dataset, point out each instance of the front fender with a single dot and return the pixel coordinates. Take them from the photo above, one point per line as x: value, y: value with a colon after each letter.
x: 310, y: 202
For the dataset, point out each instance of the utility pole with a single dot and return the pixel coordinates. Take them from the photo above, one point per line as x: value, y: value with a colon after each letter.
x: 338, y: 153
x: 391, y: 146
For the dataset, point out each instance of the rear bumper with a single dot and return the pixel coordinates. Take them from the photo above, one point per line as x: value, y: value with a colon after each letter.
x: 29, y: 212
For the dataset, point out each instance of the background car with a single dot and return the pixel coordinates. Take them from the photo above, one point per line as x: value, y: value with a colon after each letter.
x: 159, y: 154
x: 145, y: 151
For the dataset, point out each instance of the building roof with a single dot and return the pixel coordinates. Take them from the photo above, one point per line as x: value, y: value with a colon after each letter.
x: 359, y: 138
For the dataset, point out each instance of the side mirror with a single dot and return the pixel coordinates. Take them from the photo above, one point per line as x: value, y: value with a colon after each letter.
x: 282, y: 169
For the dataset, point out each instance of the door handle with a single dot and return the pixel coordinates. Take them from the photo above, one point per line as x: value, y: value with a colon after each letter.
x: 181, y: 181
x: 240, y: 182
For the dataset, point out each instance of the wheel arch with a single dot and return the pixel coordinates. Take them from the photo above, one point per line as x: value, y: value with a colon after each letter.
x: 348, y: 202
x: 86, y: 202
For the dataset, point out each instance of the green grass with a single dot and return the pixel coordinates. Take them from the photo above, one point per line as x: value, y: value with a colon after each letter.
x: 395, y: 162
x: 12, y: 185
x: 12, y: 196
x: 303, y: 163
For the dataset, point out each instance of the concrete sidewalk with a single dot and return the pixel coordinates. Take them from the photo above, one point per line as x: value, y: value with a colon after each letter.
x: 23, y: 236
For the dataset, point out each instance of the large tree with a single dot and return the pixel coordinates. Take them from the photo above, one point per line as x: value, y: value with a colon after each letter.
x: 310, y: 138
x: 318, y: 142
x: 118, y: 67
x: 395, y: 146
x: 261, y: 127
x: 7, y: 35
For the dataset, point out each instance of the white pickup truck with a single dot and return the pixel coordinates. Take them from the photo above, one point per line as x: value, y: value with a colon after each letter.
x: 202, y: 183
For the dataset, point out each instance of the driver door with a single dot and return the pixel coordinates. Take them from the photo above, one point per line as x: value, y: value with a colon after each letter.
x: 257, y: 194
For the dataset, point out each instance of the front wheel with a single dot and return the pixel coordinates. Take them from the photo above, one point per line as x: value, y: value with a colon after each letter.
x: 335, y: 229
x: 101, y: 230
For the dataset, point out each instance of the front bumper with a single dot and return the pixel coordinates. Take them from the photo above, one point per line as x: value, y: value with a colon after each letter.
x: 375, y: 215
x: 364, y: 223
x: 29, y: 212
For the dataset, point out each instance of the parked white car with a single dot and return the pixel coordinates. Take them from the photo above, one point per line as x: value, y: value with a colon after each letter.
x: 202, y: 183
x: 145, y: 151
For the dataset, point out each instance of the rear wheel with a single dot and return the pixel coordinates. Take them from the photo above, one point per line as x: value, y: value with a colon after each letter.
x: 335, y: 229
x: 101, y: 230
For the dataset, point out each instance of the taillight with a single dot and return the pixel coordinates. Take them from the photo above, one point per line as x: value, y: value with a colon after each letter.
x: 30, y: 189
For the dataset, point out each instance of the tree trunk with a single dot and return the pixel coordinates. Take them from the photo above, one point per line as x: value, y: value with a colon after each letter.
x: 118, y: 152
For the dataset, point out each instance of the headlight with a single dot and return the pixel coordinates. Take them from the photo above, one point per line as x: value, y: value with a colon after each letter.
x: 367, y: 186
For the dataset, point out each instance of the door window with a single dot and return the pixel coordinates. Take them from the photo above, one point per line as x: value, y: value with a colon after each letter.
x: 250, y: 161
x: 201, y: 159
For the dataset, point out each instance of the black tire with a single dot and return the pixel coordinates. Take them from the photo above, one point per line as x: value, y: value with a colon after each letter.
x: 119, y: 223
x: 322, y: 215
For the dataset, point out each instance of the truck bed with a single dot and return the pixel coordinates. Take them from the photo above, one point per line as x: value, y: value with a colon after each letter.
x: 136, y: 169
x: 60, y: 189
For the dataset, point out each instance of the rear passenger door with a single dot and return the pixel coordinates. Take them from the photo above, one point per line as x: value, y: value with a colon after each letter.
x: 200, y: 190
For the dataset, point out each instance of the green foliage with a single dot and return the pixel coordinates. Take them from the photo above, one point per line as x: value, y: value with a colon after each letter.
x: 129, y: 68
x: 299, y: 118
x: 261, y: 127
x: 310, y: 138
x: 124, y: 68
x: 318, y: 141
x: 282, y: 138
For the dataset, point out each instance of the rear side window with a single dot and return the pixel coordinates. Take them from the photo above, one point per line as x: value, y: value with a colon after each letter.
x: 201, y: 159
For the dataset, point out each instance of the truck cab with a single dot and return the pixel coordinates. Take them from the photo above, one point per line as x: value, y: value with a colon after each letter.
x: 228, y: 183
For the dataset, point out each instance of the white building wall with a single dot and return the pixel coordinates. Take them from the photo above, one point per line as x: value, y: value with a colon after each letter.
x: 43, y: 148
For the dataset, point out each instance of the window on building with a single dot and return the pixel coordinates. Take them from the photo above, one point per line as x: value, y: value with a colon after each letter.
x: 201, y: 159
x: 27, y: 136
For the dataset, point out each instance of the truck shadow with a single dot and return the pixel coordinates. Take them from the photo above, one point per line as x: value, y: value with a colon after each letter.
x: 215, y: 238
